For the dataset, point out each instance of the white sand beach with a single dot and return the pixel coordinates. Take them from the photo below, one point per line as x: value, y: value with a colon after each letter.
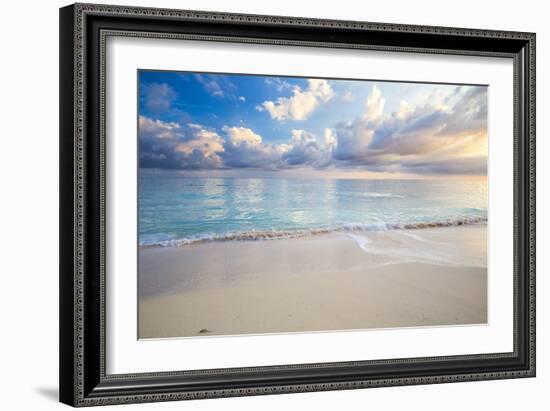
x: 336, y: 281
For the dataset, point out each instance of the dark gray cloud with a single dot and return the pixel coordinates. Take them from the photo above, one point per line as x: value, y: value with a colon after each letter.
x: 305, y: 150
x: 169, y: 145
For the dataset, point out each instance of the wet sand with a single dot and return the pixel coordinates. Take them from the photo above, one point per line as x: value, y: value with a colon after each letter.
x: 337, y: 281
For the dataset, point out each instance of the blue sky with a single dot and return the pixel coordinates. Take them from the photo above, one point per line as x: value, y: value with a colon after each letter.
x: 225, y: 124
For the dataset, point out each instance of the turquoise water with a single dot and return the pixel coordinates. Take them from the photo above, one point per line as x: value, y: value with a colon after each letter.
x: 176, y: 210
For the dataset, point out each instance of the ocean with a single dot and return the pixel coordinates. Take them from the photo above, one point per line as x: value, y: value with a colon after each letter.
x: 176, y: 210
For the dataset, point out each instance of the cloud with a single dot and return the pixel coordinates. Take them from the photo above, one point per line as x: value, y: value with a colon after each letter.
x: 190, y: 147
x: 169, y: 145
x: 353, y: 140
x: 158, y: 129
x: 245, y: 149
x: 347, y: 96
x: 242, y: 98
x: 448, y: 136
x: 157, y: 97
x: 173, y: 146
x: 204, y: 142
x: 279, y: 84
x: 242, y: 135
x: 404, y: 110
x: 216, y: 85
x: 374, y: 106
x: 469, y: 111
x: 302, y: 103
x: 330, y: 138
x: 304, y: 149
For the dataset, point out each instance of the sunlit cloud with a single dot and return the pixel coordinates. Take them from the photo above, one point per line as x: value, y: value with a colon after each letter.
x: 302, y: 102
x: 442, y: 132
x: 242, y: 135
x: 347, y: 96
x: 245, y: 149
x: 169, y: 145
x: 413, y: 139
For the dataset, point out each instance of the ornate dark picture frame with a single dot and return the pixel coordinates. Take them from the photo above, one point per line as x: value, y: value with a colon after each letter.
x: 83, y: 31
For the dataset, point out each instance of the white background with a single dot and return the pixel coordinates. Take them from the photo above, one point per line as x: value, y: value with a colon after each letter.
x: 29, y: 206
x: 125, y: 354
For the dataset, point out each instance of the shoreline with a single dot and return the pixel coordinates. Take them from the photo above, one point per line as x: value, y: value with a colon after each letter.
x: 325, y: 282
x: 268, y: 235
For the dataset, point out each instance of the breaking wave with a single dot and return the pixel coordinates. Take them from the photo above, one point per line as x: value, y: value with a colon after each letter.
x: 285, y: 234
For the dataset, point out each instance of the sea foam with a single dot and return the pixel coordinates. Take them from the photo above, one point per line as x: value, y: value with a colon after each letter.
x: 256, y: 235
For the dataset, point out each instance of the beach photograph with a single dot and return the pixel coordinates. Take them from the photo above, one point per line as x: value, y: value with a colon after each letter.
x: 276, y: 204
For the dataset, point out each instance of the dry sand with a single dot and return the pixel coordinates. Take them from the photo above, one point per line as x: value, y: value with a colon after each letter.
x: 338, y: 281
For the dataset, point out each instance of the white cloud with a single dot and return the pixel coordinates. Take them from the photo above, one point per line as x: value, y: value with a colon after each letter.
x: 242, y: 98
x: 374, y: 106
x: 208, y: 143
x: 405, y: 110
x: 321, y: 88
x: 242, y: 135
x: 157, y: 128
x: 302, y: 103
x: 330, y: 137
x: 245, y: 149
x: 301, y: 137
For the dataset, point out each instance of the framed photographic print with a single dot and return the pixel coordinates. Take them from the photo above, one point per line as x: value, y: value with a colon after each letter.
x: 260, y: 204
